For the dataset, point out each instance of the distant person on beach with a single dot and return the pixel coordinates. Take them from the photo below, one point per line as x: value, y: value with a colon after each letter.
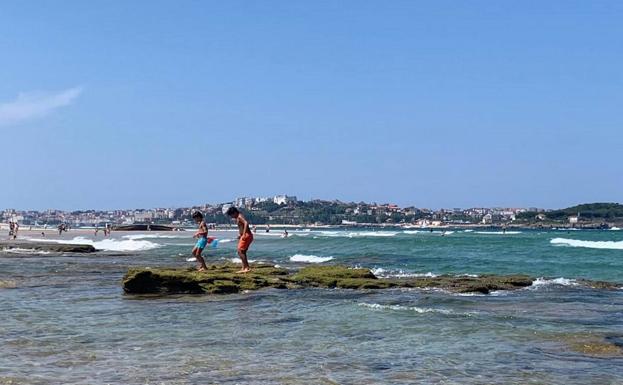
x: 202, y: 240
x: 245, y: 237
x: 268, y: 228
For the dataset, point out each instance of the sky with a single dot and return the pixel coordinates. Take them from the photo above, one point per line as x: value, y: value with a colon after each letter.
x: 138, y: 104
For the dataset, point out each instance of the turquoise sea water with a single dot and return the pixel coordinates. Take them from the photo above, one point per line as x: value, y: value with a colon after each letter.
x: 64, y: 318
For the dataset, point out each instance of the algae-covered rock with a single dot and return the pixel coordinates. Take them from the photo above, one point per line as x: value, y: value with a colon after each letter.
x: 223, y: 279
x: 601, y: 285
x: 218, y: 279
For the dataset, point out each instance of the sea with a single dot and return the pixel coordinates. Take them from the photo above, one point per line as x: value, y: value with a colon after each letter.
x: 64, y: 318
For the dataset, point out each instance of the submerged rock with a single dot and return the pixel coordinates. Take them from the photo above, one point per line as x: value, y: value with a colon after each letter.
x: 223, y: 279
x: 592, y: 344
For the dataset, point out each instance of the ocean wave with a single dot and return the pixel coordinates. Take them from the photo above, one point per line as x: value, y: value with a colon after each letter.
x: 497, y: 232
x: 383, y: 273
x: 413, y: 231
x: 309, y: 258
x: 109, y: 244
x: 614, y: 228
x: 611, y: 245
x: 416, y: 309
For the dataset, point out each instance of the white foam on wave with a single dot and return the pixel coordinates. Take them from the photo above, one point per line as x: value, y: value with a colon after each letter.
x: 356, y: 234
x: 539, y: 282
x: 497, y: 232
x: 18, y: 250
x: 468, y: 231
x: 611, y: 245
x: 416, y: 309
x: 412, y: 231
x: 383, y: 273
x: 147, y: 236
x: 493, y: 293
x: 301, y: 235
x: 309, y: 258
x: 109, y: 244
x: 374, y: 234
x: 614, y: 228
x: 238, y: 261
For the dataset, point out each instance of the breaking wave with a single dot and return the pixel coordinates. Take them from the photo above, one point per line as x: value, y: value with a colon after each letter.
x: 309, y: 258
x: 107, y: 244
x: 612, y: 245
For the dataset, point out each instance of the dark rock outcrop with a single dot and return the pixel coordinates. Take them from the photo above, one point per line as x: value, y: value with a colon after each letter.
x: 47, y: 246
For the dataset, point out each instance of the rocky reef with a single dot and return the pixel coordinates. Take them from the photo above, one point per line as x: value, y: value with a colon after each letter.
x: 223, y: 279
x: 46, y: 246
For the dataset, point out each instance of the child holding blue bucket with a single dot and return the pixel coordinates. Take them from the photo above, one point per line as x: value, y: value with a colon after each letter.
x: 202, y: 240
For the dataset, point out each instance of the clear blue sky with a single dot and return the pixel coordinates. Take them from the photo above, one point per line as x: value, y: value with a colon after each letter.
x: 120, y: 104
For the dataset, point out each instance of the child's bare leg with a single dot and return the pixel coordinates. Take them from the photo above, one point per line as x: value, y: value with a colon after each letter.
x: 200, y: 260
x: 245, y: 263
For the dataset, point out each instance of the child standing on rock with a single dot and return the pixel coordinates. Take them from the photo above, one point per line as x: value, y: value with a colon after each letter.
x: 245, y: 237
x: 202, y: 240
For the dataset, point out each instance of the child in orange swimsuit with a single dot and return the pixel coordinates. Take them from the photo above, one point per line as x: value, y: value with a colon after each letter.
x: 245, y: 237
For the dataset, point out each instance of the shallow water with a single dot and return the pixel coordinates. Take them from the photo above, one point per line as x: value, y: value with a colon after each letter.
x: 65, y: 319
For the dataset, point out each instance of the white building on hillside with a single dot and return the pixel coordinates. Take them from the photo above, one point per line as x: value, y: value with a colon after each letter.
x: 283, y: 199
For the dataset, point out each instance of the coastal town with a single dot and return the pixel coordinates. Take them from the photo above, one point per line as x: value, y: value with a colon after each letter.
x: 288, y: 210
